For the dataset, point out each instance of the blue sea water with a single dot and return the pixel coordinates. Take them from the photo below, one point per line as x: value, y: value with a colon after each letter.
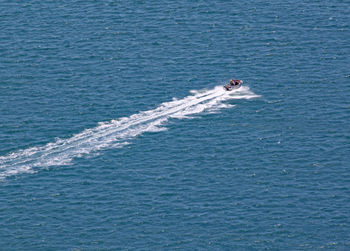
x: 115, y: 132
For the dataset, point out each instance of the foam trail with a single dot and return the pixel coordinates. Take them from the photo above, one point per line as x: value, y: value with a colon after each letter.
x: 117, y: 133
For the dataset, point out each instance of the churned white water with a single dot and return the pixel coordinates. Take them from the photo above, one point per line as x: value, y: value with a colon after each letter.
x: 116, y: 133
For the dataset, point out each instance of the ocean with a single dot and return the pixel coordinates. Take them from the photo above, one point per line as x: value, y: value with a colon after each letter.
x: 116, y: 133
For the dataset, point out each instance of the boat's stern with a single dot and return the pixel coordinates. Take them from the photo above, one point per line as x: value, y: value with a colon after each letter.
x: 234, y: 84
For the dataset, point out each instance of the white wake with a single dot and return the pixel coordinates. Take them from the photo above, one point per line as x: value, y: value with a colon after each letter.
x: 116, y: 133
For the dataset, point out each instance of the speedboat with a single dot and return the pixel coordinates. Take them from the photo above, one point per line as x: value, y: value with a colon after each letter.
x: 234, y: 84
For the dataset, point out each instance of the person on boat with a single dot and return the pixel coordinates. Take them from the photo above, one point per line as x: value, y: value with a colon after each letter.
x: 232, y: 82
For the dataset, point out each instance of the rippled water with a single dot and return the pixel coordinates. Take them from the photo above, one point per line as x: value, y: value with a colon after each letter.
x: 115, y: 132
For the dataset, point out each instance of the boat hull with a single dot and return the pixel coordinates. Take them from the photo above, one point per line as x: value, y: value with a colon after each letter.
x: 230, y: 87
